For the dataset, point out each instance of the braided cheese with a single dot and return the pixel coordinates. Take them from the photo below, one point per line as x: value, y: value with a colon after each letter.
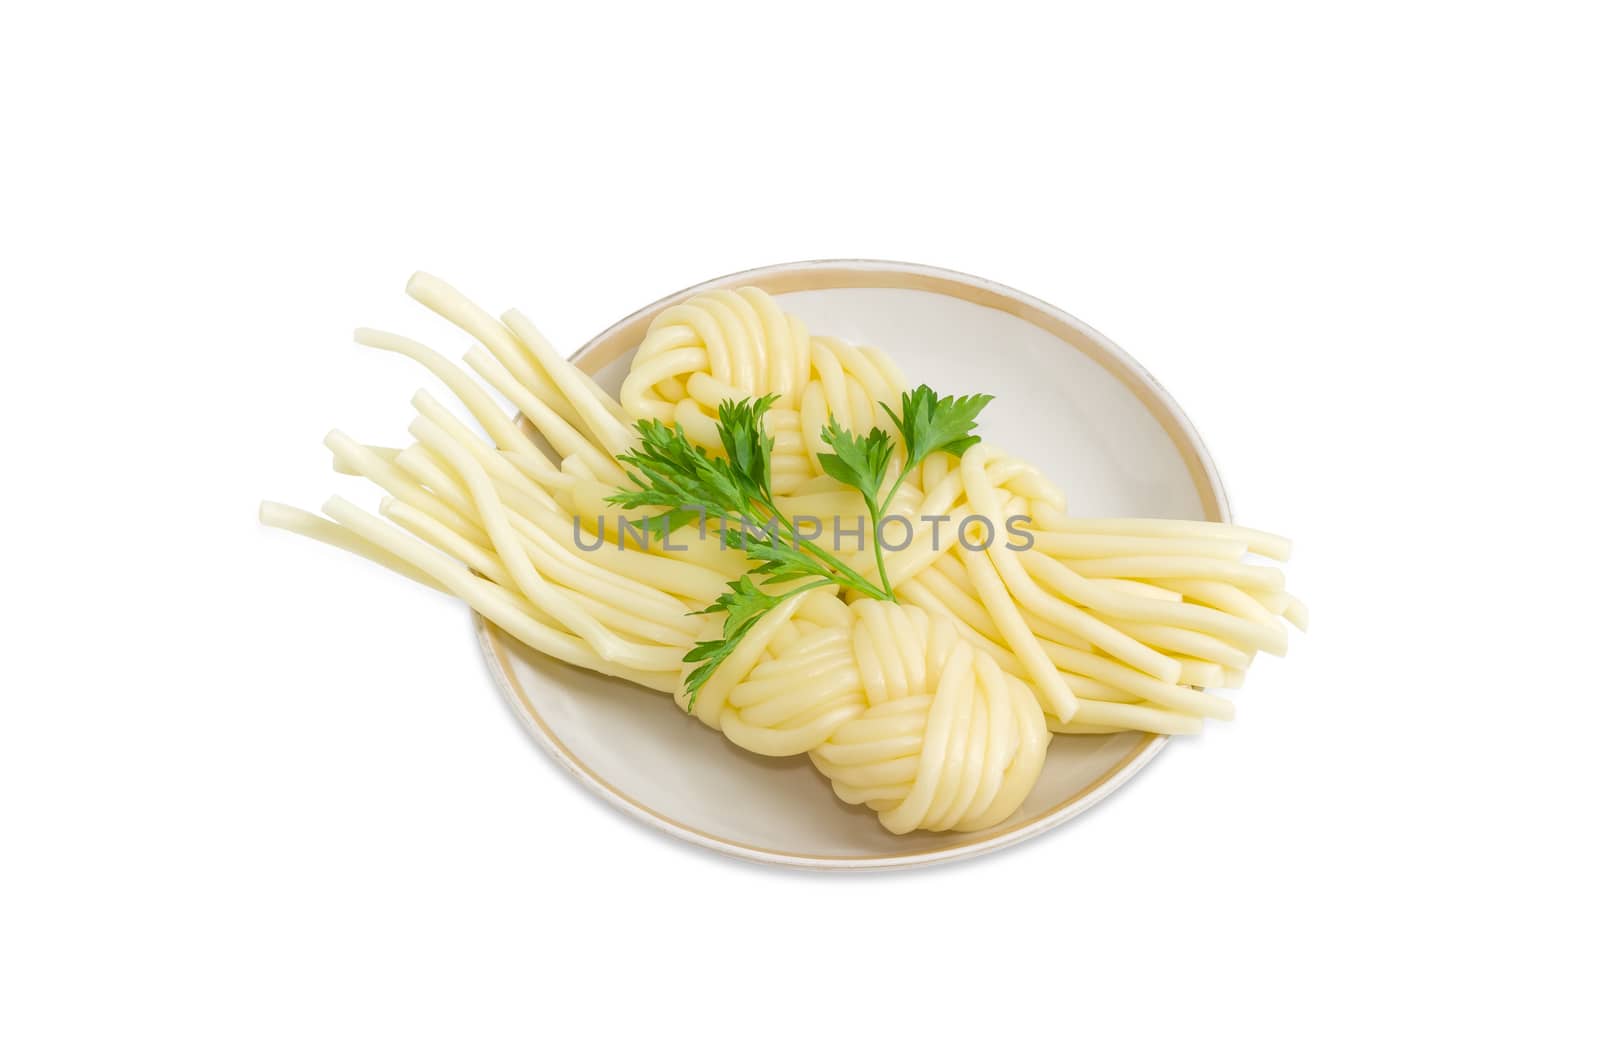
x: 935, y: 712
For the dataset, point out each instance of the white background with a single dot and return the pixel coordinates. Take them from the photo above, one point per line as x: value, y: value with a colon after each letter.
x: 258, y: 797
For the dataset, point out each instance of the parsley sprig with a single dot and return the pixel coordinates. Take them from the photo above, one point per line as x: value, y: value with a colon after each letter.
x: 926, y: 423
x: 668, y: 470
x: 861, y: 462
x: 744, y: 603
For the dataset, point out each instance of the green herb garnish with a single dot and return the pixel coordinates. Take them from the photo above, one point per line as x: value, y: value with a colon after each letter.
x: 668, y: 470
x: 861, y: 462
x: 745, y: 603
x: 927, y: 423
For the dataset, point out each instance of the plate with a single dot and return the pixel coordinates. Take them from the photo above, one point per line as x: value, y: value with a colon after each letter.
x: 1066, y: 399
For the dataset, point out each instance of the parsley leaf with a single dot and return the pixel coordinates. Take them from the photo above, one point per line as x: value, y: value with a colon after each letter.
x: 929, y: 423
x: 749, y: 446
x: 861, y: 462
x: 745, y: 604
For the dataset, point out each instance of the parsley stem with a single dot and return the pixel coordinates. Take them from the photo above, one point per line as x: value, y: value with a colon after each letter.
x: 877, y: 518
x: 877, y: 550
x: 833, y: 561
x: 895, y: 487
x: 856, y: 580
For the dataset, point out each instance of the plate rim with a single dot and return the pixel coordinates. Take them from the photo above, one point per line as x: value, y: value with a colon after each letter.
x: 843, y: 273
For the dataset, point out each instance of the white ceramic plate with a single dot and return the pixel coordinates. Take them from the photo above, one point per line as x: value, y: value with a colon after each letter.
x: 1066, y: 399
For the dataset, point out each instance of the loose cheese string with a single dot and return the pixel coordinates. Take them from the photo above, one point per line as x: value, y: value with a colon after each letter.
x: 934, y: 713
